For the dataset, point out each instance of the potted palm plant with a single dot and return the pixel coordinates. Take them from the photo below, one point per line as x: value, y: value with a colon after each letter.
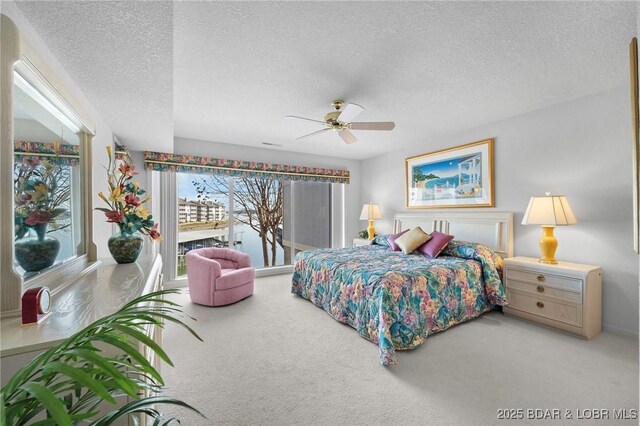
x: 73, y: 382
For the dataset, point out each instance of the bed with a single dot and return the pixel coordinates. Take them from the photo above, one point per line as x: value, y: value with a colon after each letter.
x: 398, y: 300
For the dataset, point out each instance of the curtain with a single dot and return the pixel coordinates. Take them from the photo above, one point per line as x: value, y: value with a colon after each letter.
x: 165, y: 162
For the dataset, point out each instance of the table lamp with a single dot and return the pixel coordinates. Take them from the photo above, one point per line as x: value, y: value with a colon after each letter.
x: 549, y: 211
x: 370, y: 212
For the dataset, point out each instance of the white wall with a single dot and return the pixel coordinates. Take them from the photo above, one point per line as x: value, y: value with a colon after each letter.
x: 265, y: 155
x: 101, y: 229
x: 581, y: 149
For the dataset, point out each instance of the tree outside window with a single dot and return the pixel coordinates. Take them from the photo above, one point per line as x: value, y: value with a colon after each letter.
x: 258, y: 203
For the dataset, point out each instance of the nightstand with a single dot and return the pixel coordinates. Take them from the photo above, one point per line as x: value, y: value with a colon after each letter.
x: 566, y: 296
x: 361, y: 242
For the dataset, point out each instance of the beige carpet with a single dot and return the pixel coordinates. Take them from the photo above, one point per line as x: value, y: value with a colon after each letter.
x: 276, y: 359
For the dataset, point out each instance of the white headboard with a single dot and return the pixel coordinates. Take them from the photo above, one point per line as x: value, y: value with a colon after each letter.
x: 493, y: 229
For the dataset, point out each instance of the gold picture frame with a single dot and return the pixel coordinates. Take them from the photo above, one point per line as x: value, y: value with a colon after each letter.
x: 457, y: 177
x: 635, y: 120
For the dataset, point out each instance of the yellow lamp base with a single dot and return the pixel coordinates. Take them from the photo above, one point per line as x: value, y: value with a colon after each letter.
x: 548, y: 245
x: 371, y: 230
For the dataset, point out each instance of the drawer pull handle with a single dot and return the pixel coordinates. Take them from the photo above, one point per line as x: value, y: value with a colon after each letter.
x: 540, y: 277
x: 540, y: 305
x: 540, y: 289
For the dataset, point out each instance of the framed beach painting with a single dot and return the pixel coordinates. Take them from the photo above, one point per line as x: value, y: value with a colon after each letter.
x: 456, y: 177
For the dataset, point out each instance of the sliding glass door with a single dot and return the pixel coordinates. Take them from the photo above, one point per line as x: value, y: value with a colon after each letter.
x: 269, y: 219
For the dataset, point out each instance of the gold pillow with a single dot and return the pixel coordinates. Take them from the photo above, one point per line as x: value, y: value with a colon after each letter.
x: 409, y: 241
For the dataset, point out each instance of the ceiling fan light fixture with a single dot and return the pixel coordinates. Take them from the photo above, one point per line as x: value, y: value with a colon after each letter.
x: 332, y: 116
x: 341, y: 121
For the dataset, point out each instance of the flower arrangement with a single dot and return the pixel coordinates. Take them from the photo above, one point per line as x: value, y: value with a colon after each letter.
x: 42, y: 193
x: 126, y: 207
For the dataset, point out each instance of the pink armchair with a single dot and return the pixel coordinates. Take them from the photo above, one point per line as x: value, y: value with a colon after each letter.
x: 219, y: 276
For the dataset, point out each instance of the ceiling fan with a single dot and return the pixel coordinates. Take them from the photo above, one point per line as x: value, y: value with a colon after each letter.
x: 340, y: 121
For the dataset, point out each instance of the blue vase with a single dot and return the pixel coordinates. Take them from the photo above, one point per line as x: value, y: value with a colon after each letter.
x: 36, y: 250
x: 125, y: 248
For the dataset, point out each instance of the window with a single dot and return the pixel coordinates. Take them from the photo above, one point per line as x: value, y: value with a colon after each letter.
x: 263, y: 217
x: 258, y: 220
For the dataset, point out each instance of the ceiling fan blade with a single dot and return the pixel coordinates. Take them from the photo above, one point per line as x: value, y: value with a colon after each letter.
x: 373, y: 125
x: 303, y: 118
x: 350, y: 112
x: 314, y: 133
x: 347, y: 136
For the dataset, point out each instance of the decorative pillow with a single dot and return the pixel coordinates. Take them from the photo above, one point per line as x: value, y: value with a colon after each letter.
x: 412, y: 240
x: 435, y: 245
x: 381, y: 240
x: 391, y: 239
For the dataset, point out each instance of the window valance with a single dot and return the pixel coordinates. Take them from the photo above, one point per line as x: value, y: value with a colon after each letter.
x: 55, y: 153
x: 164, y: 162
x: 120, y: 152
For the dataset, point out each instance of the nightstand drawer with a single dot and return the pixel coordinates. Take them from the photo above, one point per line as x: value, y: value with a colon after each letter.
x: 568, y: 313
x: 548, y: 280
x: 544, y: 290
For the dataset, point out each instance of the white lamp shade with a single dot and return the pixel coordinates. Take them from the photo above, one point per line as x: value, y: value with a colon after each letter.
x: 370, y: 211
x: 550, y: 210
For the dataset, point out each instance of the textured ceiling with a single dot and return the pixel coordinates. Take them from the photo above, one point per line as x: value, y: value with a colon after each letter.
x: 434, y: 68
x: 231, y: 71
x: 120, y: 54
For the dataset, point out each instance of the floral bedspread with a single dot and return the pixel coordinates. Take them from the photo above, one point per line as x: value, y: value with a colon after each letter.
x: 397, y: 300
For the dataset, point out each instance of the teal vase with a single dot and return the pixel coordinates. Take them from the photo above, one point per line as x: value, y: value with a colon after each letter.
x: 36, y: 250
x: 124, y: 247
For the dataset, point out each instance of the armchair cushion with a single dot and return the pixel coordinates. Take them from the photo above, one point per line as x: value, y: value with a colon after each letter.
x: 235, y: 278
x: 227, y: 258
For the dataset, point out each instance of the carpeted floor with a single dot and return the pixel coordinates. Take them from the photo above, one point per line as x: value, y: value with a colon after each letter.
x: 276, y: 359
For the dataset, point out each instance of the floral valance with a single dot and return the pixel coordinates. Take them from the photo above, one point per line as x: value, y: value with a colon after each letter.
x: 120, y: 152
x: 55, y: 153
x: 164, y: 162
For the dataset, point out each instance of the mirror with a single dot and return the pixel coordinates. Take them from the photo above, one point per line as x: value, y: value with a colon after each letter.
x: 46, y: 182
x: 45, y: 158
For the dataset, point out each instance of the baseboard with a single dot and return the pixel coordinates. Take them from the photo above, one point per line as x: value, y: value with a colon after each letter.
x: 274, y: 270
x: 177, y: 283
x: 620, y: 331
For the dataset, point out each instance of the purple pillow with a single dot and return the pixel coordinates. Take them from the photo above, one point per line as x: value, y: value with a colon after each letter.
x: 391, y: 239
x: 434, y: 246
